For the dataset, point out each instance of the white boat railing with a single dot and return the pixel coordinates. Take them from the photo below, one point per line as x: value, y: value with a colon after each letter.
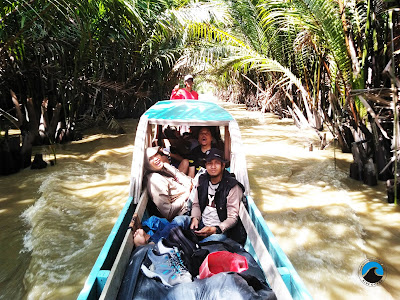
x: 113, y: 283
x: 264, y: 258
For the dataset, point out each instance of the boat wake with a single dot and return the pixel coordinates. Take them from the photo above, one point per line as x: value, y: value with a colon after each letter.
x: 66, y: 225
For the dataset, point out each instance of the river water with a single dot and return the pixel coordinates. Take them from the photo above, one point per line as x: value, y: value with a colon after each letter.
x: 55, y: 221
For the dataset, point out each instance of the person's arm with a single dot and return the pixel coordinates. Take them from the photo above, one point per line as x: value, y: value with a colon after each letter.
x: 176, y: 95
x: 167, y: 151
x: 196, y: 212
x: 177, y: 206
x: 174, y: 91
x: 181, y: 177
x: 176, y: 156
x: 232, y: 205
x: 192, y: 171
x: 192, y: 164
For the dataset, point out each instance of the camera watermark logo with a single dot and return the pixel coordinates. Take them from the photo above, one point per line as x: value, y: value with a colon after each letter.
x: 372, y: 272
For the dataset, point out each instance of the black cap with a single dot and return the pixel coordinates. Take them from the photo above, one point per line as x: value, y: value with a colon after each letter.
x: 215, y: 153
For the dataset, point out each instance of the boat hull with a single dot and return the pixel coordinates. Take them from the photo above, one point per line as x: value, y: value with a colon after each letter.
x: 105, y: 278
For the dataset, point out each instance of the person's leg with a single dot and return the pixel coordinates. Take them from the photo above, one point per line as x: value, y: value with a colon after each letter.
x: 182, y: 221
x: 214, y: 237
x: 135, y: 223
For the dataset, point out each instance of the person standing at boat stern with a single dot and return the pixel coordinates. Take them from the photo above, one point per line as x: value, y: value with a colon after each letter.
x: 167, y: 186
x: 187, y: 92
x: 215, y: 209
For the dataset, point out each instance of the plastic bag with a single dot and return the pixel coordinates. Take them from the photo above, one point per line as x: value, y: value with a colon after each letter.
x: 155, y: 223
x: 222, y: 261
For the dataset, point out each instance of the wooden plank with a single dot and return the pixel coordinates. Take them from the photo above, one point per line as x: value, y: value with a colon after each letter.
x: 141, y: 207
x: 114, y: 280
x: 227, y: 142
x: 267, y: 263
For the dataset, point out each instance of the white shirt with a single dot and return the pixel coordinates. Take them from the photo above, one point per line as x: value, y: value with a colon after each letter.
x: 210, y: 215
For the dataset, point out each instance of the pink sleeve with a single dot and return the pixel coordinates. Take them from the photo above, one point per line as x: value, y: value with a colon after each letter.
x: 175, y: 95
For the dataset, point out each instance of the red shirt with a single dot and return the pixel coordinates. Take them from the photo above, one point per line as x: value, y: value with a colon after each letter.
x: 184, y: 94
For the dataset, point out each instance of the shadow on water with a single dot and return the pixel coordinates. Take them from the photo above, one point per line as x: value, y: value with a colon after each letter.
x: 326, y: 222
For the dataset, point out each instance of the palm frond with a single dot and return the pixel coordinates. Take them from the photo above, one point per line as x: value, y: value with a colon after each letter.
x: 319, y: 17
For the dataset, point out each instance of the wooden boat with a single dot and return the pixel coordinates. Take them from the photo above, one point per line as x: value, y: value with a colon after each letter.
x: 107, y: 273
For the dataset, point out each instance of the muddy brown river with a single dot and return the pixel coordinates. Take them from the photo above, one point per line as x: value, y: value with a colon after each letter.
x: 55, y: 221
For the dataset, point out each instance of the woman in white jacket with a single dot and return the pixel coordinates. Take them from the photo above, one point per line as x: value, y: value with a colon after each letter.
x: 167, y: 186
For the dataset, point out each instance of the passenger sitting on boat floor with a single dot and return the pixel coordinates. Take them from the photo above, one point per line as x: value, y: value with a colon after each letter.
x: 168, y: 188
x: 216, y: 202
x: 188, y: 152
x: 215, y: 210
x: 196, y: 157
x: 179, y: 146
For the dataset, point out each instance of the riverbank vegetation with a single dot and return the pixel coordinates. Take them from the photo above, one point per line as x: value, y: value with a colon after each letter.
x: 65, y: 65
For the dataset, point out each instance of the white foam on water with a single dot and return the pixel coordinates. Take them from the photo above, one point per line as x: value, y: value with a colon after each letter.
x: 67, y: 224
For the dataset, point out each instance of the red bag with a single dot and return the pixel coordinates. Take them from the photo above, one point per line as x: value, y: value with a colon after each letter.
x: 222, y: 261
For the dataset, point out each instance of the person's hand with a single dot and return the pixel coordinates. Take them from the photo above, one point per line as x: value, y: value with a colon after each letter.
x: 194, y: 224
x: 206, y: 231
x: 166, y: 151
x: 176, y: 88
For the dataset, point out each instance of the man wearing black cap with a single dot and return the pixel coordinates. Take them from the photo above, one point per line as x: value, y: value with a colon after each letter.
x: 187, y: 92
x: 215, y: 210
